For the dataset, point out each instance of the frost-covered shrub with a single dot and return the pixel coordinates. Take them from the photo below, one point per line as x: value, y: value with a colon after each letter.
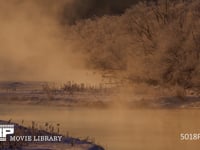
x: 151, y: 43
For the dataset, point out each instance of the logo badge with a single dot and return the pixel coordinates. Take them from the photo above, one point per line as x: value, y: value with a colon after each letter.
x: 6, y: 130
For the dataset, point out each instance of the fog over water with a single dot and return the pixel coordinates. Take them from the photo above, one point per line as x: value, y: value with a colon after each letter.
x: 34, y: 43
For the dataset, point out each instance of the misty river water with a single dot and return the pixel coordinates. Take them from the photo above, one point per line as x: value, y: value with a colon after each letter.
x: 116, y: 129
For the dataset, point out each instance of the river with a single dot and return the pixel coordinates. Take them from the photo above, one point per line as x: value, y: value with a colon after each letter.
x: 115, y: 129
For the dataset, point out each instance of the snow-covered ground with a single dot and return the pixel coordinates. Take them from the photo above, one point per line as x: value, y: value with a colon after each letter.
x: 36, y: 93
x: 51, y: 146
x: 67, y: 143
x: 74, y: 95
